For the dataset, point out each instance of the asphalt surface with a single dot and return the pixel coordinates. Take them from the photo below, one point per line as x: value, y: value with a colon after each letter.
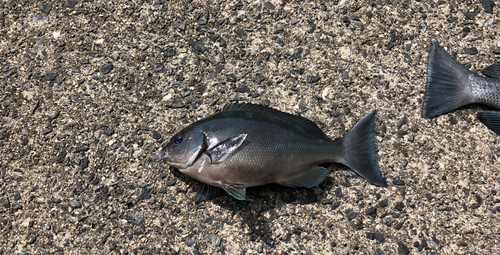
x: 91, y: 90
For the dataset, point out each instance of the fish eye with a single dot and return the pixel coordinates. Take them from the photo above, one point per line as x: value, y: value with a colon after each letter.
x: 179, y: 138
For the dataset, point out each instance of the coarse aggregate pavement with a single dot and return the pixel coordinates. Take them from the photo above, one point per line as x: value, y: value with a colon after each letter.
x: 91, y: 90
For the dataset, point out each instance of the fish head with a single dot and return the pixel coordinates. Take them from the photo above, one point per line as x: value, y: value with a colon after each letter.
x: 184, y: 149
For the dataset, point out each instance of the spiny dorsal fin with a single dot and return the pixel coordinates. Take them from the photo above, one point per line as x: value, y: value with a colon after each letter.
x: 305, y: 124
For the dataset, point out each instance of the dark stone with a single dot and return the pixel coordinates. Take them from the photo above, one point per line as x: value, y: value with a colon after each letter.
x: 108, y: 132
x: 434, y: 239
x: 471, y: 15
x: 156, y: 135
x: 231, y: 78
x: 74, y: 203
x: 171, y: 182
x: 399, y: 206
x: 376, y: 236
x: 269, y: 6
x: 136, y: 217
x: 398, y: 182
x: 30, y: 54
x: 215, y: 37
x: 203, y: 19
x: 214, y: 239
x: 198, y: 46
x: 471, y: 51
x: 350, y: 214
x: 242, y: 89
x: 313, y: 78
x: 260, y: 78
x: 145, y: 195
x: 496, y: 51
x: 189, y: 242
x: 45, y: 7
x: 401, y: 122
x: 176, y: 103
x: 338, y: 192
x: 428, y: 196
x: 61, y: 156
x: 157, y: 69
x: 345, y: 74
x: 403, y: 249
x: 383, y: 203
x: 106, y: 68
x: 288, y: 238
x: 372, y: 211
x: 220, y: 20
x: 4, y: 201
x: 423, y: 245
x: 170, y: 52
x: 84, y: 163
x: 240, y: 32
x: 378, y: 251
x: 346, y: 20
x: 71, y: 3
x: 50, y: 75
x: 487, y: 5
x: 31, y: 239
x: 181, y: 26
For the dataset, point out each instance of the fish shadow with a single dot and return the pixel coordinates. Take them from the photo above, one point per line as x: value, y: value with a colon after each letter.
x: 271, y: 202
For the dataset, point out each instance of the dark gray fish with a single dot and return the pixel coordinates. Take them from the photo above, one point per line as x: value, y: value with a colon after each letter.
x: 450, y: 85
x: 248, y: 145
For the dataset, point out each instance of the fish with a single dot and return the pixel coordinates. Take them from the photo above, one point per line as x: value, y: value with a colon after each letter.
x: 247, y: 145
x: 450, y: 85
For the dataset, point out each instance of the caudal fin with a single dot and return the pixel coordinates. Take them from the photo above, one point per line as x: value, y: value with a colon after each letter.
x: 491, y: 119
x: 360, y: 150
x: 447, y: 83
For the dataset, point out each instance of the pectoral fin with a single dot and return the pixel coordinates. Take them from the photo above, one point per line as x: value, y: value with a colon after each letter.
x: 309, y: 178
x: 222, y: 150
x: 238, y: 191
x: 207, y: 192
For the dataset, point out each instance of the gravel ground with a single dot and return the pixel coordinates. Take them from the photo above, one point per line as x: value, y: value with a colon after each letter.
x: 91, y: 90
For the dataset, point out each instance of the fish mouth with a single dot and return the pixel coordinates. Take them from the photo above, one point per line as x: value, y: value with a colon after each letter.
x: 182, y: 165
x: 190, y: 161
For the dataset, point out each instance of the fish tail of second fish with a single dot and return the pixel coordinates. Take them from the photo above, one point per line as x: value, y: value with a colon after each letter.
x: 360, y: 152
x: 448, y: 86
x: 491, y: 119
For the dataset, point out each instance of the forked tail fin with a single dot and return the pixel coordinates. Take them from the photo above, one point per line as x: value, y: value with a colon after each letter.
x: 447, y: 83
x: 360, y: 150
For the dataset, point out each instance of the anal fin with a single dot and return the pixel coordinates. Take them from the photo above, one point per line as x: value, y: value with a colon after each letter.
x: 238, y: 191
x: 309, y: 178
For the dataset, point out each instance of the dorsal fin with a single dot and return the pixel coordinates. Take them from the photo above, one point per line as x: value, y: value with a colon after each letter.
x: 305, y: 124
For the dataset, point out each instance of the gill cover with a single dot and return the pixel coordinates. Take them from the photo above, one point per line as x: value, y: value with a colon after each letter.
x: 183, y: 149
